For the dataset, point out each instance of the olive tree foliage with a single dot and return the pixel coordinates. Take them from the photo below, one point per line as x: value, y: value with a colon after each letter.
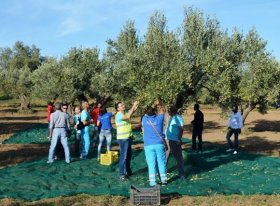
x: 243, y: 73
x: 207, y: 52
x: 146, y: 70
x: 233, y: 69
x: 122, y: 61
x: 259, y: 86
x: 16, y: 68
x: 223, y: 71
x: 163, y: 72
x: 68, y: 79
x: 79, y: 67
x: 48, y: 81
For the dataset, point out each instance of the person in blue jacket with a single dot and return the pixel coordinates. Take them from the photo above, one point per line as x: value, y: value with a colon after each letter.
x: 152, y: 126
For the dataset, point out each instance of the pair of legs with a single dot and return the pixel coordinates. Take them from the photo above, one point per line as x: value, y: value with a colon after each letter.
x: 228, y: 136
x: 176, y: 150
x: 77, y: 142
x: 94, y: 134
x: 155, y: 156
x: 197, y: 133
x: 125, y: 157
x: 59, y: 134
x: 85, y: 142
x: 104, y: 134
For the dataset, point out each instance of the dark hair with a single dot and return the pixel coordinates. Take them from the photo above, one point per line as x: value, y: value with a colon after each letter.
x: 196, y: 106
x: 97, y: 103
x: 64, y: 104
x: 235, y: 108
x: 150, y: 111
x: 103, y: 110
x: 172, y: 110
x: 117, y: 105
x: 83, y: 101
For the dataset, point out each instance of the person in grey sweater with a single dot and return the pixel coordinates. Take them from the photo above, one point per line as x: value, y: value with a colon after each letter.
x: 59, y: 131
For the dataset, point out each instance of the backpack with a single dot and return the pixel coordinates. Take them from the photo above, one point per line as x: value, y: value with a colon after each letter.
x: 80, y: 125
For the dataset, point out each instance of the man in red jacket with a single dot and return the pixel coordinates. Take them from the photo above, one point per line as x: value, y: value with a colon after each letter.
x: 95, y: 129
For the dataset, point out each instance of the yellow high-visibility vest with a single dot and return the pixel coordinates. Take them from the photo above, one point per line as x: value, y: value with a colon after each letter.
x: 124, y: 130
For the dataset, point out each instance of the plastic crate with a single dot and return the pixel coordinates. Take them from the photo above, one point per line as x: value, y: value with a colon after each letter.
x: 109, y: 158
x: 145, y: 196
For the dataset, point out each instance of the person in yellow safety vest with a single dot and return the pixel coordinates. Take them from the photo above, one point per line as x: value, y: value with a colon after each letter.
x: 124, y: 134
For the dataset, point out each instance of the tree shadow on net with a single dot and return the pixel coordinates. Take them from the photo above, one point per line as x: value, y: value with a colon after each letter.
x: 213, y: 156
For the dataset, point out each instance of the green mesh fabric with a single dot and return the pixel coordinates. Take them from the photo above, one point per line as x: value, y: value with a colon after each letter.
x: 36, y: 135
x: 211, y: 172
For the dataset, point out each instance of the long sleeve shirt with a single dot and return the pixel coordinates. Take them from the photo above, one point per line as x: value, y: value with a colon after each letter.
x: 59, y: 119
x: 235, y: 121
x: 198, y: 120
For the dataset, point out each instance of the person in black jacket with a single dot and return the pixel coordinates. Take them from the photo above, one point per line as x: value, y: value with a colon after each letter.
x: 197, y: 128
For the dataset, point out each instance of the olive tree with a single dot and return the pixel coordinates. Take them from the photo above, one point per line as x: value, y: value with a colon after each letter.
x: 17, y: 65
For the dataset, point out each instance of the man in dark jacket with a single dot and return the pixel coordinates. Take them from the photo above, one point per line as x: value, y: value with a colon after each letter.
x: 197, y: 128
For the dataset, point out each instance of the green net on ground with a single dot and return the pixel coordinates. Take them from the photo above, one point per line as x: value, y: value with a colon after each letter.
x: 38, y: 135
x: 212, y: 172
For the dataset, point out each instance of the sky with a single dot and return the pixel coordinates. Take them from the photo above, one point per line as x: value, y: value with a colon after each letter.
x: 55, y: 26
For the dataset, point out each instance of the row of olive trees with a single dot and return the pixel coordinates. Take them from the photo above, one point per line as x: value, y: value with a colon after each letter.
x: 178, y: 66
x: 198, y: 59
x: 26, y: 75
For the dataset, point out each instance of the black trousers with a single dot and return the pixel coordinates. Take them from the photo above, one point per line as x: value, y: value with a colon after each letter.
x: 197, y: 133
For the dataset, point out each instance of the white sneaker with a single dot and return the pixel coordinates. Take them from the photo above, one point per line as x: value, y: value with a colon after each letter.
x: 235, y: 152
x: 229, y: 150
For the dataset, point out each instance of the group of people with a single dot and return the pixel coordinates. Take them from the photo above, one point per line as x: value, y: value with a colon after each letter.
x: 95, y: 123
x: 159, y: 140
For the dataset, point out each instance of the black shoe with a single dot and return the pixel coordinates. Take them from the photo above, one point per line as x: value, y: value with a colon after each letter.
x: 129, y: 173
x: 192, y: 150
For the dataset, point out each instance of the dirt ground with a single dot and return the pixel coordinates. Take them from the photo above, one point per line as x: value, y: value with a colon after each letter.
x: 261, y: 135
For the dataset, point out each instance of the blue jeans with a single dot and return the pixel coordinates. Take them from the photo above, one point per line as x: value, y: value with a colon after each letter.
x: 59, y: 134
x: 104, y: 134
x: 229, y: 133
x: 85, y: 141
x: 155, y: 155
x: 125, y: 157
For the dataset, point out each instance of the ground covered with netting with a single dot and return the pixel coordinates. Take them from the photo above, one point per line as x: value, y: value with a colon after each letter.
x: 211, y: 172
